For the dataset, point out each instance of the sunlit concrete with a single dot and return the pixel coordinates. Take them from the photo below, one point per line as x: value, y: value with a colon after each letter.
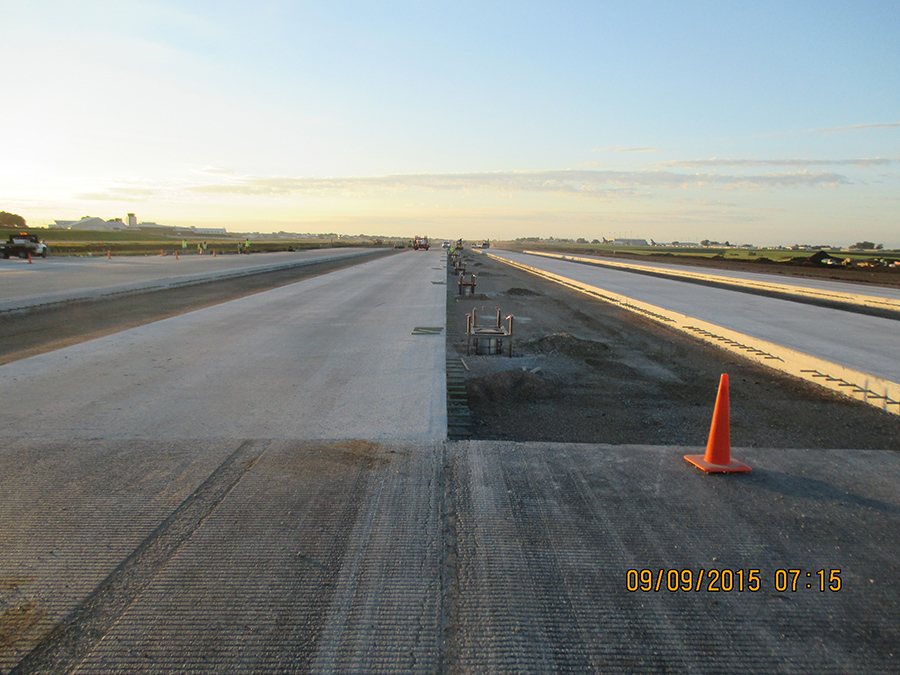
x: 329, y: 357
x: 54, y: 280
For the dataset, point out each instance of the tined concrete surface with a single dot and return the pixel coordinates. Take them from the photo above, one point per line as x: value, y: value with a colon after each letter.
x: 72, y: 511
x: 547, y: 534
x: 306, y: 557
x: 460, y: 557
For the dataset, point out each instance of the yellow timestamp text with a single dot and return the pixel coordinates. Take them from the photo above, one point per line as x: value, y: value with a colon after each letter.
x: 729, y: 580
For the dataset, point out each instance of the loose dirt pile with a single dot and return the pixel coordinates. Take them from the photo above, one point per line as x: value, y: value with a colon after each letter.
x: 563, y: 344
x: 517, y: 386
x: 586, y: 371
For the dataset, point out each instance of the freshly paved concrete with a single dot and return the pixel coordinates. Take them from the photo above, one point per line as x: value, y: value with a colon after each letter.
x: 72, y: 511
x: 458, y: 557
x: 329, y: 357
x: 547, y: 533
x: 827, y: 285
x: 865, y: 343
x: 54, y: 280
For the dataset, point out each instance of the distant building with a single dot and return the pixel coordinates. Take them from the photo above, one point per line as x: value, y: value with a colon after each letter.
x: 209, y: 230
x: 100, y: 225
x: 628, y: 242
x: 89, y: 223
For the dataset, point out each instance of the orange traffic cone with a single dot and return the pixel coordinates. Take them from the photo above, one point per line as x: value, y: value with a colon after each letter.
x: 718, y: 448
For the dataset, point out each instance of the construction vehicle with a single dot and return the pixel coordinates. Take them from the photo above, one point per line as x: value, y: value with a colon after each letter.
x: 420, y: 243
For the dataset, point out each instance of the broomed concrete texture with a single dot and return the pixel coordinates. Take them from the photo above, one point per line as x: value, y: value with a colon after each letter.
x: 854, y: 354
x: 287, y: 557
x: 458, y: 557
x: 71, y: 512
x: 53, y: 281
x: 330, y: 357
x: 547, y: 534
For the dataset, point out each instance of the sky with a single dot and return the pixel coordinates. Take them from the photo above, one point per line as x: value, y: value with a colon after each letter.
x: 764, y: 122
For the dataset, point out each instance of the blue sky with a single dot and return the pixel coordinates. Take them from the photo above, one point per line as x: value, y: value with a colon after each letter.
x: 757, y: 122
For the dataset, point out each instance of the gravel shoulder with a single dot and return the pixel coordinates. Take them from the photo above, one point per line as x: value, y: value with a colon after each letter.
x: 584, y: 371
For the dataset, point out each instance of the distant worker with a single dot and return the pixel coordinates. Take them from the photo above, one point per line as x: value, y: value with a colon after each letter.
x: 184, y: 245
x: 247, y: 246
x: 199, y: 248
x: 204, y: 247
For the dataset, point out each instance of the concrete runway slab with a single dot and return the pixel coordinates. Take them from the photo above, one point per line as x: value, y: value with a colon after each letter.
x: 561, y: 550
x: 463, y: 557
x: 53, y: 281
x: 72, y: 511
x: 827, y: 285
x: 324, y: 558
x: 333, y: 356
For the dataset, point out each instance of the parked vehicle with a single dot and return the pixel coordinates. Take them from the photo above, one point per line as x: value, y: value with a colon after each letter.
x: 22, y: 244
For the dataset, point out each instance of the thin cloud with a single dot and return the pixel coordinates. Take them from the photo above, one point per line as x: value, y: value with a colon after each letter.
x: 831, y: 130
x: 647, y: 149
x: 573, y: 182
x: 216, y: 170
x: 119, y: 194
x: 717, y: 161
x: 855, y: 127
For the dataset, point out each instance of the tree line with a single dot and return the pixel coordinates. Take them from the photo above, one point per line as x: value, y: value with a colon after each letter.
x: 11, y: 219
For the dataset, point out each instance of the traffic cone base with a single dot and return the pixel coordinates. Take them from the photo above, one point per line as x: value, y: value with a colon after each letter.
x: 733, y: 466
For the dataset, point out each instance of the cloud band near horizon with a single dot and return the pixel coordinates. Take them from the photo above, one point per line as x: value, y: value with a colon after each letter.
x: 576, y: 182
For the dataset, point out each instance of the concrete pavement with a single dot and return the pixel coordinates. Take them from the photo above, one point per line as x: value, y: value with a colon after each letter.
x: 53, y: 281
x: 334, y: 356
x: 459, y: 557
x: 865, y: 295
